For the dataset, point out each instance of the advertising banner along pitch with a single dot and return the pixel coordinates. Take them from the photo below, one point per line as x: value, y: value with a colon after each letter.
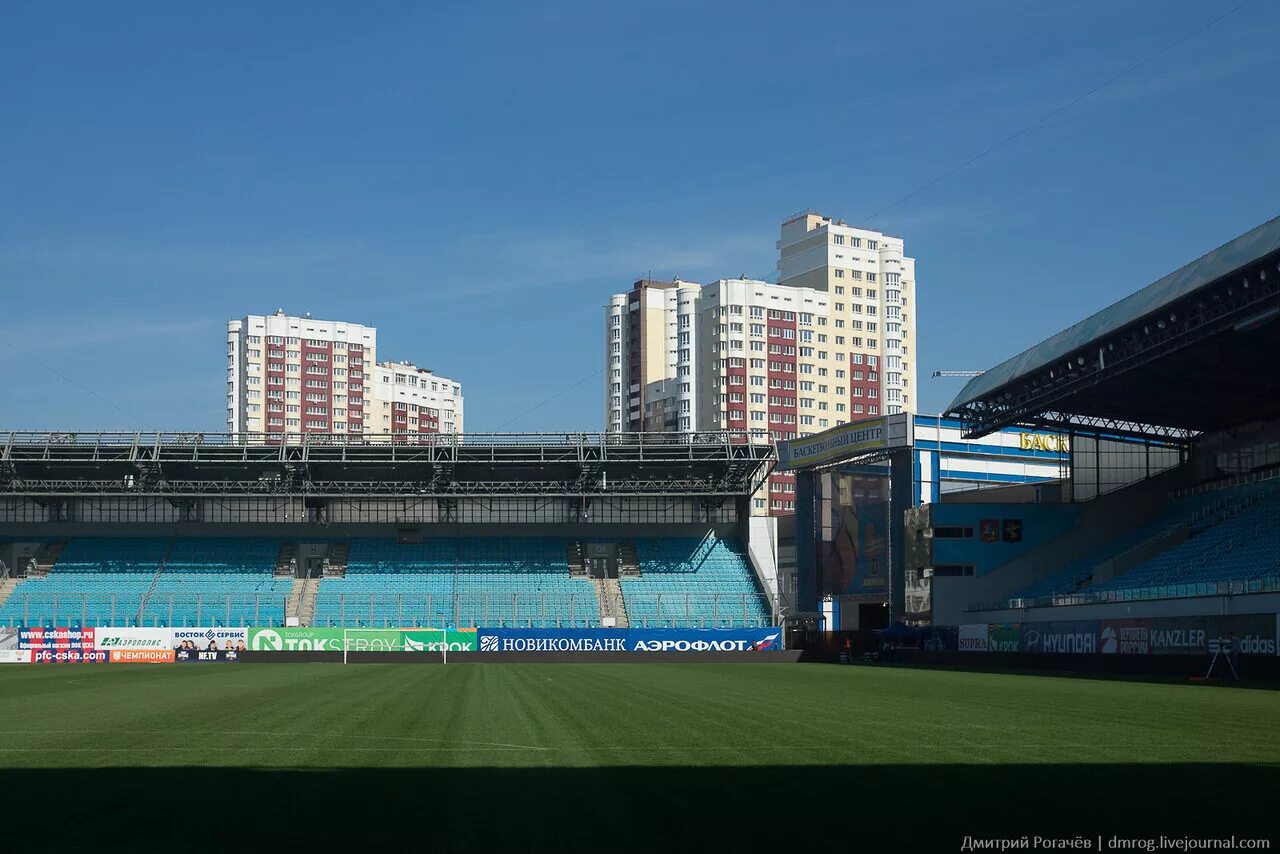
x: 630, y: 640
x: 197, y: 656
x: 210, y: 637
x: 300, y: 639
x: 974, y: 637
x: 61, y: 637
x: 135, y: 639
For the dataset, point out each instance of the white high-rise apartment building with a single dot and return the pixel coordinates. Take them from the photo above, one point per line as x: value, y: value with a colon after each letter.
x: 651, y: 357
x: 409, y: 399
x: 289, y: 375
x: 872, y: 288
x: 830, y: 343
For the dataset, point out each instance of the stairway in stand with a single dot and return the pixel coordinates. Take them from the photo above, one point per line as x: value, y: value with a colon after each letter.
x: 609, y: 595
x: 293, y: 605
x: 339, y: 557
x: 302, y: 600
x: 307, y: 604
x: 7, y: 586
x: 43, y: 560
x: 573, y: 557
x: 287, y: 560
x: 628, y: 560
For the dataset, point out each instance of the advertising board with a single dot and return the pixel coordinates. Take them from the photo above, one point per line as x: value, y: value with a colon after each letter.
x: 207, y: 637
x: 199, y: 656
x: 59, y: 637
x: 141, y: 656
x: 974, y: 637
x: 629, y: 640
x: 69, y: 656
x: 16, y: 656
x: 135, y: 639
x: 435, y: 640
x: 300, y: 639
x: 1004, y: 637
x: 1069, y: 637
x: 1124, y: 637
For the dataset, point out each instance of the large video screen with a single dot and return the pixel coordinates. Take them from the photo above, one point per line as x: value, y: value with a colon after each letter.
x: 853, y: 516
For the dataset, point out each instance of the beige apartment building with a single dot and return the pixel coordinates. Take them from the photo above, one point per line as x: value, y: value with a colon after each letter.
x: 829, y: 343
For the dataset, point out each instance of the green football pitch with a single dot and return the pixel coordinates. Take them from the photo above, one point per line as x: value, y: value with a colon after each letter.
x: 479, y: 757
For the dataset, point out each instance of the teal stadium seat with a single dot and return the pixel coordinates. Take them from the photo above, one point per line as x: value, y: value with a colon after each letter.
x: 102, y: 581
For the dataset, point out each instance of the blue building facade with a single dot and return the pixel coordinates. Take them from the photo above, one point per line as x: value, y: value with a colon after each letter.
x: 944, y: 461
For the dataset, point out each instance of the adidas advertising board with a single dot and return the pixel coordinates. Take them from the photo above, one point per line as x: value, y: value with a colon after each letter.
x: 629, y: 640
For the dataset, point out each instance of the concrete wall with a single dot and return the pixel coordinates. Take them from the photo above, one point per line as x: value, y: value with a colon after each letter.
x: 762, y: 547
x: 1041, y: 523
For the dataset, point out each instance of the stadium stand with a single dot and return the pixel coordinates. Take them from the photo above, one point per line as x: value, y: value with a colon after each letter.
x: 1173, y: 365
x: 155, y: 582
x: 466, y: 581
x: 458, y: 581
x: 1191, y: 513
x: 491, y: 531
x: 1241, y: 544
x: 694, y: 583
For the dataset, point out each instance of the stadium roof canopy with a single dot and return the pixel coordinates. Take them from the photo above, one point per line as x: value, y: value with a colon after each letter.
x: 476, y: 465
x: 1191, y: 353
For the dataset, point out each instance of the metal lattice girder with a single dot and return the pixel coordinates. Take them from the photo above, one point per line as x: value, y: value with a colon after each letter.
x: 1080, y: 387
x: 195, y: 465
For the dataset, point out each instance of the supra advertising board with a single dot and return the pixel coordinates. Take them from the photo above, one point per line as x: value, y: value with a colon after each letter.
x: 629, y: 640
x: 974, y: 637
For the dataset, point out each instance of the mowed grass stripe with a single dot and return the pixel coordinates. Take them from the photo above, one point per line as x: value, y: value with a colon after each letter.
x: 318, y: 715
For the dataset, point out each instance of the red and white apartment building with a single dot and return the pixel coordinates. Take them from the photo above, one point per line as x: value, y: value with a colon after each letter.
x: 290, y: 375
x: 831, y: 342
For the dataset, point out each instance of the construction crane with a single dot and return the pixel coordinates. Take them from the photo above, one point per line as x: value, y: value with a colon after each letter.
x: 969, y: 374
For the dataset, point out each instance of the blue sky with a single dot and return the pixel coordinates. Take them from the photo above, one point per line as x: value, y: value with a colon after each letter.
x: 476, y: 178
